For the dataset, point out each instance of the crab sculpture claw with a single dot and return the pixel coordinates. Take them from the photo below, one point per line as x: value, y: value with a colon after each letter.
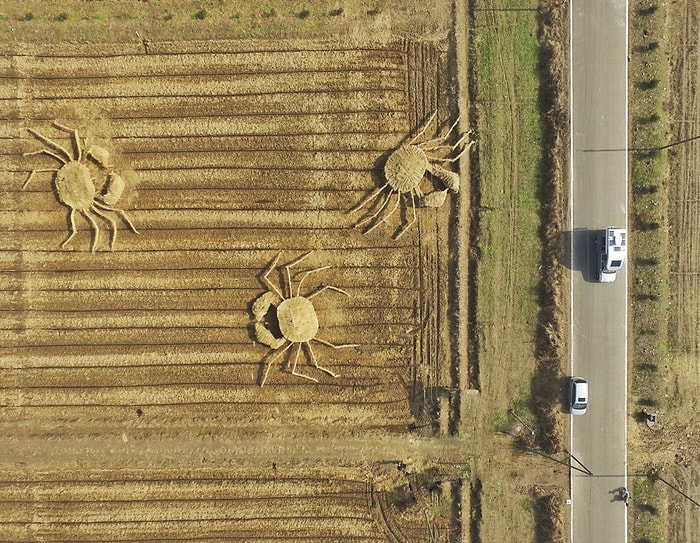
x: 434, y: 199
x: 100, y: 155
x: 449, y: 179
x: 261, y: 308
x: 112, y: 189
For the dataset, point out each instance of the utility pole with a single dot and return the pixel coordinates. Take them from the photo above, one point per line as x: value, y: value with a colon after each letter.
x: 532, y: 432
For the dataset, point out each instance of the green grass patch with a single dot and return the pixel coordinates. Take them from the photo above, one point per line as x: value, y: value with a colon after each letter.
x: 269, y: 12
x: 496, y: 421
x: 522, y: 404
x: 648, y: 525
x: 505, y: 56
x: 649, y: 203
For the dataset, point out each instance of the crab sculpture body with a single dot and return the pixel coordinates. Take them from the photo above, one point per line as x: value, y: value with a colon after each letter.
x: 404, y: 171
x: 75, y: 187
x: 284, y: 321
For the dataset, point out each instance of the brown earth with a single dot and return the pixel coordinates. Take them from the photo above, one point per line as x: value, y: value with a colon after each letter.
x: 131, y: 397
x: 681, y: 459
x: 671, y: 447
x: 131, y: 401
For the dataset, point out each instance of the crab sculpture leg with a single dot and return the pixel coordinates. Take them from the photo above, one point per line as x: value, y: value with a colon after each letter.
x: 438, y: 143
x: 74, y: 139
x: 439, y: 139
x: 448, y: 178
x: 59, y: 153
x: 67, y: 157
x: 303, y: 277
x: 307, y: 345
x: 423, y: 128
x: 386, y: 215
x: 73, y: 230
x: 269, y: 284
x: 410, y: 223
x: 369, y: 198
x: 323, y: 341
x: 98, y: 154
x: 31, y: 174
x: 113, y: 223
x: 273, y: 359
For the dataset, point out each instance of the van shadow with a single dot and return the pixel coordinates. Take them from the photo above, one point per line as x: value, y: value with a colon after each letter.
x: 579, y: 252
x: 564, y: 400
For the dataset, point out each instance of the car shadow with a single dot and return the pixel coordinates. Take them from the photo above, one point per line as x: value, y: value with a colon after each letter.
x: 564, y: 384
x: 579, y: 252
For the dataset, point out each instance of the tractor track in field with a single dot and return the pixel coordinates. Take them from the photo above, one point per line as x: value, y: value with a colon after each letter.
x: 221, y: 501
x: 684, y: 196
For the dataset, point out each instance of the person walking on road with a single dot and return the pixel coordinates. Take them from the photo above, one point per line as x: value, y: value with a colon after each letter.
x: 626, y: 496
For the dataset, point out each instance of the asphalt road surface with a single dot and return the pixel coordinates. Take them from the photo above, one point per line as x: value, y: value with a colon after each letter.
x: 599, y: 311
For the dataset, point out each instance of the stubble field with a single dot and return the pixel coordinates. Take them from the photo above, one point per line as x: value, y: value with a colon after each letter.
x: 131, y: 391
x: 131, y: 377
x: 675, y: 445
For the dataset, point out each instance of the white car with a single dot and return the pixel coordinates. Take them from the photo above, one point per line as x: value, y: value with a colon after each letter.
x: 578, y: 396
x: 612, y: 248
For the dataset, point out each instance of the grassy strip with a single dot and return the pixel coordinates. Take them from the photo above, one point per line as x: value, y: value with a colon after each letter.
x: 117, y: 20
x: 520, y: 107
x: 650, y: 273
x: 648, y: 523
x: 506, y: 248
x: 649, y: 233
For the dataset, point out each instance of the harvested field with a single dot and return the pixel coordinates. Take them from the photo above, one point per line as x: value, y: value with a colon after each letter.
x: 231, y: 153
x: 684, y: 190
x: 230, y: 505
x: 682, y: 371
x: 131, y: 394
x: 230, y: 157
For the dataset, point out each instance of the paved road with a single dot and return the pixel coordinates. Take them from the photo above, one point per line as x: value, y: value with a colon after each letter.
x: 599, y: 314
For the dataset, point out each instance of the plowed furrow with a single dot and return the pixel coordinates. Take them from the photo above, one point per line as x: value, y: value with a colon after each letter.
x: 205, y: 64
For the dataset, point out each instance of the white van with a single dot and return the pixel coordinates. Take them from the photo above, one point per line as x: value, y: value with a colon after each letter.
x: 612, y: 247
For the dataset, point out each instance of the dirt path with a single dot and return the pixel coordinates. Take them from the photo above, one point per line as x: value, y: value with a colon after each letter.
x: 677, y: 443
x: 684, y: 191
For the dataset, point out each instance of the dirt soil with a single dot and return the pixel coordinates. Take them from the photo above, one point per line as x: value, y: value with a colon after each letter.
x: 131, y: 397
x: 132, y: 405
x: 671, y: 447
